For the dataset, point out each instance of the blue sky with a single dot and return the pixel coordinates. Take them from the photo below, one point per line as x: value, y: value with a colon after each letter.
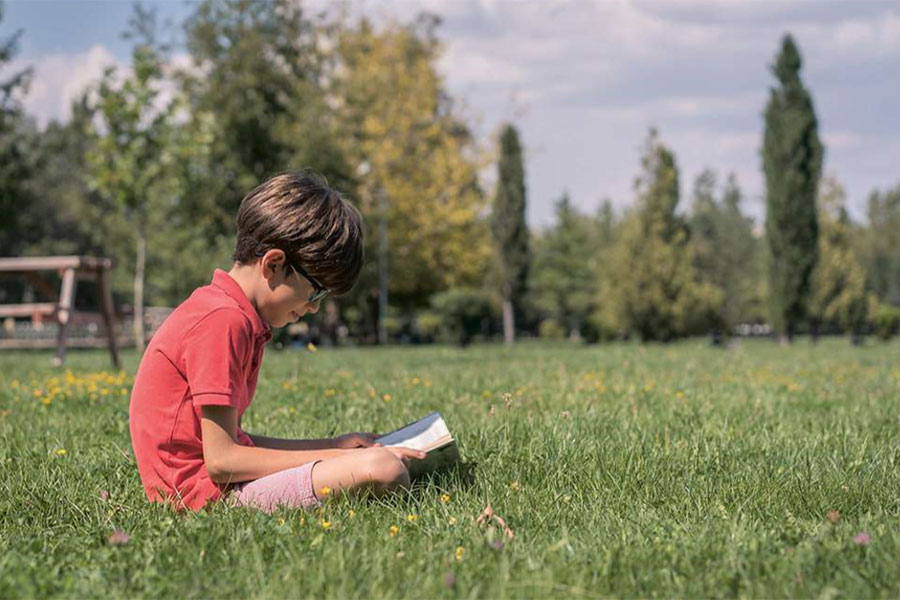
x: 584, y: 80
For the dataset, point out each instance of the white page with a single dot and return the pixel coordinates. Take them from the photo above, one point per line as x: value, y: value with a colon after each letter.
x: 419, y: 435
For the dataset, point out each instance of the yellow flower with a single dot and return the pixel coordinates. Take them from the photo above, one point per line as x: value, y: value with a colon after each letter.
x: 459, y: 552
x: 567, y: 499
x: 515, y: 486
x: 387, y: 397
x: 325, y: 491
x: 311, y: 347
x: 326, y: 524
x: 330, y: 392
x: 61, y: 452
x: 352, y: 513
x: 394, y: 531
x: 445, y: 498
x: 38, y: 393
x: 452, y: 520
x: 411, y: 518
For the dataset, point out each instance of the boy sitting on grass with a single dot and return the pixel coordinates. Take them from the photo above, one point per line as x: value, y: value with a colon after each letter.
x: 298, y: 240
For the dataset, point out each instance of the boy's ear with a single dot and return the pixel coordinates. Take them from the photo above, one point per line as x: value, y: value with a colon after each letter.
x: 272, y: 262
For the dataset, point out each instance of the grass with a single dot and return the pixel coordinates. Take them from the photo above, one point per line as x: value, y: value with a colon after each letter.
x: 623, y: 471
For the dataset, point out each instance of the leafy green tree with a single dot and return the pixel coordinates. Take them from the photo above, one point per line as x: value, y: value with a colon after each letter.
x: 509, y: 229
x: 652, y: 288
x: 254, y: 67
x: 130, y: 155
x: 880, y: 246
x: 727, y: 255
x: 792, y: 162
x: 839, y: 294
x: 565, y: 261
x: 16, y: 148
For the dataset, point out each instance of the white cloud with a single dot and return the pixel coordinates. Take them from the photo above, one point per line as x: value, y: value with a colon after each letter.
x: 59, y: 79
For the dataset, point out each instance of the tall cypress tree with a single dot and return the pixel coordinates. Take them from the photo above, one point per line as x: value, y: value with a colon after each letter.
x: 792, y: 161
x: 509, y: 229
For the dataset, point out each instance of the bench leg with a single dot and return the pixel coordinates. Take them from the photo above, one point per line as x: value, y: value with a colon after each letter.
x: 66, y: 302
x: 106, y: 307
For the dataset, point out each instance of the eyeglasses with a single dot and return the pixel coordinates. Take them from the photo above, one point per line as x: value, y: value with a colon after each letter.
x: 319, y: 291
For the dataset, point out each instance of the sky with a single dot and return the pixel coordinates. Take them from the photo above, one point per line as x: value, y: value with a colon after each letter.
x: 584, y: 80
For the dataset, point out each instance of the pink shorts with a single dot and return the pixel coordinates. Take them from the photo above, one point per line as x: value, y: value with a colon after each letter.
x: 291, y: 488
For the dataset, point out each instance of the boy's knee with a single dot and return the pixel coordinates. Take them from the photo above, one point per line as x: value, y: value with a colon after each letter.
x: 385, y: 468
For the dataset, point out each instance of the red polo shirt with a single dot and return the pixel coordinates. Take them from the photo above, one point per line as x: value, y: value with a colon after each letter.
x: 207, y: 352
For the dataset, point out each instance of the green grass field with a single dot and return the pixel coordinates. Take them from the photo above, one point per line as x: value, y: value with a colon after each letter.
x: 677, y: 470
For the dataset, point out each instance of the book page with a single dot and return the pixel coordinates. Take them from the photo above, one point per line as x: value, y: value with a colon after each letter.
x: 420, y: 435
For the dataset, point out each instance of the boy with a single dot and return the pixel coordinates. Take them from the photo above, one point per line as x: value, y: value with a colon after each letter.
x: 298, y: 240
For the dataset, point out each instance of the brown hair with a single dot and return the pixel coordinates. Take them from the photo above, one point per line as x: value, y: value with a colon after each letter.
x: 310, y: 221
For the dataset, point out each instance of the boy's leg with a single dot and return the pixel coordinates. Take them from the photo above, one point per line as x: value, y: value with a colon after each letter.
x: 373, y: 469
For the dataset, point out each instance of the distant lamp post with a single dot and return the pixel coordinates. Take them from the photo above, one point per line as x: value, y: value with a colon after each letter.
x: 381, y: 210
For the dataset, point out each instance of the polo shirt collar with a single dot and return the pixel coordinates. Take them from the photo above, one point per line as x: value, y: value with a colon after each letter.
x: 227, y: 284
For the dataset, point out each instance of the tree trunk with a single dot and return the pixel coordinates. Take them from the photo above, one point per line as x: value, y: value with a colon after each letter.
x: 140, y: 261
x: 509, y: 328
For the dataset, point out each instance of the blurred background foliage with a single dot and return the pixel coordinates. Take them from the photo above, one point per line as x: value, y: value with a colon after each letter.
x: 152, y: 165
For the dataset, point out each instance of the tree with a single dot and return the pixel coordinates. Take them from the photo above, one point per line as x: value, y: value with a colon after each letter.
x: 509, y: 229
x: 254, y: 67
x: 726, y: 254
x: 880, y: 245
x: 565, y: 261
x: 420, y: 161
x: 130, y: 158
x: 652, y: 288
x: 16, y: 149
x: 839, y: 294
x: 792, y: 162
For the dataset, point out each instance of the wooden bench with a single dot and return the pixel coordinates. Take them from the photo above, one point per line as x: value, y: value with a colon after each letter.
x: 69, y: 268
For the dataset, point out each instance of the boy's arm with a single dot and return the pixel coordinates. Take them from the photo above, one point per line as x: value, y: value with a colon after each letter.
x: 348, y: 441
x: 261, y: 441
x: 229, y: 462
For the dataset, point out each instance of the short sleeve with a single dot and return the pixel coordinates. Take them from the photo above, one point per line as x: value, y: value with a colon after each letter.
x: 216, y: 353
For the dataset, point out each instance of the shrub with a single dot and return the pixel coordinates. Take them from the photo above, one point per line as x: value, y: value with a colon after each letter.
x: 886, y: 321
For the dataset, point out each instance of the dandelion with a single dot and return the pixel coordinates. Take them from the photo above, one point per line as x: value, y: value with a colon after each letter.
x: 452, y: 520
x: 61, y: 452
x: 387, y: 397
x: 862, y: 539
x: 679, y: 394
x: 330, y: 392
x: 325, y: 491
x: 412, y: 518
x: 445, y: 498
x: 352, y: 513
x: 325, y: 524
x: 567, y: 499
x: 515, y: 486
x: 311, y: 347
x: 459, y: 552
x: 119, y: 538
x: 393, y: 531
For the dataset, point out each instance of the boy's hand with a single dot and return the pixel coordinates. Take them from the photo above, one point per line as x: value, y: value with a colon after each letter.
x: 405, y: 454
x: 357, y: 439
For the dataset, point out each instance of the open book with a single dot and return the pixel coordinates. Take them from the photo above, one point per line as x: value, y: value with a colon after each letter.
x: 429, y: 434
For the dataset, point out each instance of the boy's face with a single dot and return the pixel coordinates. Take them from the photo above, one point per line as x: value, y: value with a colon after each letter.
x: 287, y: 295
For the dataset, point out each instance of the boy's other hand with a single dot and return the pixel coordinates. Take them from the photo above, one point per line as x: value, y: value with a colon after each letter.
x: 358, y: 439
